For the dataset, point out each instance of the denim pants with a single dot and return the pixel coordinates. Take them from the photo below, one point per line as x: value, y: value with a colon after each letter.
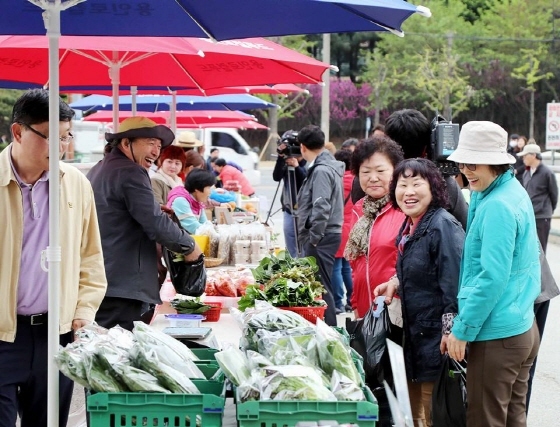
x: 341, y: 278
x: 290, y: 235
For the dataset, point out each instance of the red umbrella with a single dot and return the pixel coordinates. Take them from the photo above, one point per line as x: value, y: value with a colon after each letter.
x: 193, y: 118
x: 279, y: 89
x: 153, y: 62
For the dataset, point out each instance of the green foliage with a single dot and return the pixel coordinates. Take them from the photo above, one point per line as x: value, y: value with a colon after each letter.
x: 8, y: 98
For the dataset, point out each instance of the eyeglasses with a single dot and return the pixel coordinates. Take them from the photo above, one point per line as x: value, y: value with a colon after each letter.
x: 469, y: 166
x: 64, y: 140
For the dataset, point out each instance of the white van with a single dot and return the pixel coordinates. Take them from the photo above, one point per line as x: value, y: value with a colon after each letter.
x: 89, y: 138
x: 232, y: 148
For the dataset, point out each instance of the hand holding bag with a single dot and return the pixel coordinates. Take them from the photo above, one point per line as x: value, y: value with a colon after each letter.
x: 188, y: 277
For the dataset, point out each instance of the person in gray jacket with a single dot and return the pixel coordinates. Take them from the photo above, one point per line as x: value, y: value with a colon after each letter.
x: 320, y: 209
x: 540, y: 183
x: 131, y: 221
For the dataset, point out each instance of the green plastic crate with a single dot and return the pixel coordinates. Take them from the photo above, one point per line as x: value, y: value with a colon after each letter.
x: 210, y: 369
x: 158, y: 409
x: 206, y: 355
x: 288, y: 413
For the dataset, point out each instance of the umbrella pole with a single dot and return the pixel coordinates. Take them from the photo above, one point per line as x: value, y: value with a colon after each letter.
x: 115, y: 72
x: 53, y: 252
x: 173, y: 118
x: 133, y: 93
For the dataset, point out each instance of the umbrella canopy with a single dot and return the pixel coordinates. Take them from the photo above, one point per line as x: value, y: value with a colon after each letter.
x: 218, y: 19
x: 279, y: 89
x: 155, y: 103
x: 156, y: 62
x: 195, y: 118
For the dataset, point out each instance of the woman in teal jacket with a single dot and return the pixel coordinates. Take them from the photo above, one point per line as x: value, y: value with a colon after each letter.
x: 499, y: 282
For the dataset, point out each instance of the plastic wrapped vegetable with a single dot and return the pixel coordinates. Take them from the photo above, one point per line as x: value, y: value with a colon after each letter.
x: 169, y: 378
x: 344, y: 388
x: 168, y: 350
x: 296, y: 346
x: 293, y: 383
x: 257, y: 360
x: 138, y: 380
x: 334, y: 354
x: 235, y: 365
x: 70, y: 361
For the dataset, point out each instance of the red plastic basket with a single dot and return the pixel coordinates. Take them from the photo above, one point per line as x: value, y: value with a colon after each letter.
x: 213, y: 315
x: 309, y: 313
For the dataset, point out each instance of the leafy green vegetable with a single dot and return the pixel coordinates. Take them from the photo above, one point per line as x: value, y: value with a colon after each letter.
x: 189, y: 305
x: 284, y: 281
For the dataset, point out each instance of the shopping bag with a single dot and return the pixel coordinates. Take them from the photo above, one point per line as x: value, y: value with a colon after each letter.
x: 449, y: 395
x: 188, y: 278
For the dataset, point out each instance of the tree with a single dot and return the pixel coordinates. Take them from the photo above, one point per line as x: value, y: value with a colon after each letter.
x: 8, y: 98
x: 529, y: 71
x: 348, y: 102
x: 443, y: 82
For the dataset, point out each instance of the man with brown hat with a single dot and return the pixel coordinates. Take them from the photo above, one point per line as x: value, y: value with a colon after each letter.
x: 131, y: 221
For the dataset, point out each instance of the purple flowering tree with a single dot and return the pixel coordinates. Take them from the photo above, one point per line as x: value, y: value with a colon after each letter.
x: 348, y: 102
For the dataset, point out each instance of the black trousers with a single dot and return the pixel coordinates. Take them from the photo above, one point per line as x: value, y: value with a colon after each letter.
x: 23, y: 378
x: 119, y: 311
x: 541, y: 312
x: 543, y: 230
x: 324, y: 254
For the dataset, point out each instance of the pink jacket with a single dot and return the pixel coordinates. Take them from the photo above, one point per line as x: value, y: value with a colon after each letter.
x: 381, y: 261
x: 229, y: 173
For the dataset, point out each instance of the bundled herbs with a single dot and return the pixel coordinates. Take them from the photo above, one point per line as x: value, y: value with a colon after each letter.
x: 284, y: 281
x: 189, y: 305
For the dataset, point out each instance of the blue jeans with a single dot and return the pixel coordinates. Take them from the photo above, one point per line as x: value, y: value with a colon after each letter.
x: 290, y: 234
x: 342, y: 277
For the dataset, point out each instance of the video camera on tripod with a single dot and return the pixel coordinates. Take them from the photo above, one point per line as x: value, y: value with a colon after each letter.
x: 290, y: 140
x: 443, y: 141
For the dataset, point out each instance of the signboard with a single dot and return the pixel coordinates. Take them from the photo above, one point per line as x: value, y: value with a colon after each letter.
x: 553, y: 126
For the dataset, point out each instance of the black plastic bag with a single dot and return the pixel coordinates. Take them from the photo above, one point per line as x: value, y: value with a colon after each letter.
x: 449, y: 396
x: 188, y: 278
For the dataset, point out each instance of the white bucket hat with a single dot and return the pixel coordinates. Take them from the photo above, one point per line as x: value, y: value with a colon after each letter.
x: 529, y: 149
x: 187, y: 139
x: 482, y: 143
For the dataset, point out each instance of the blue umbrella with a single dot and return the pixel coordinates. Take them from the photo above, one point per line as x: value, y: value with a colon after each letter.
x: 155, y: 103
x: 218, y: 19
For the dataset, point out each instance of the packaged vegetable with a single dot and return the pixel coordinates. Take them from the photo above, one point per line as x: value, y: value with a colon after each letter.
x: 168, y: 350
x: 334, y: 354
x: 138, y: 380
x: 345, y: 389
x: 169, y: 378
x: 290, y: 382
x: 235, y: 365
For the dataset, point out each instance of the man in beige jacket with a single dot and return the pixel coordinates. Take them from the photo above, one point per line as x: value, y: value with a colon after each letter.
x: 24, y: 215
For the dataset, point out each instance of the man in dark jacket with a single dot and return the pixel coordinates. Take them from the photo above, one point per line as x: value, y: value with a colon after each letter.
x: 131, y: 221
x: 540, y: 183
x: 412, y: 131
x: 320, y: 209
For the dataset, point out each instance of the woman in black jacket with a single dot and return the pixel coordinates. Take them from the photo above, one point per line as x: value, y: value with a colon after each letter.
x: 430, y: 246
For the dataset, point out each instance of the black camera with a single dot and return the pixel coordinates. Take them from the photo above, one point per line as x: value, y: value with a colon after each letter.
x: 444, y: 141
x: 293, y: 148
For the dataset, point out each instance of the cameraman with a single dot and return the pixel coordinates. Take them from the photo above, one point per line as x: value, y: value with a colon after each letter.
x: 412, y: 131
x: 320, y: 209
x: 289, y: 155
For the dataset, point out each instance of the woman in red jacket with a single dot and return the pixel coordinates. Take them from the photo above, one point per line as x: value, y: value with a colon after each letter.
x: 229, y: 173
x: 371, y: 247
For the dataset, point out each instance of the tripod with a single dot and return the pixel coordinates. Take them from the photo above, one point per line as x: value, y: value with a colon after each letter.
x: 291, y: 185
